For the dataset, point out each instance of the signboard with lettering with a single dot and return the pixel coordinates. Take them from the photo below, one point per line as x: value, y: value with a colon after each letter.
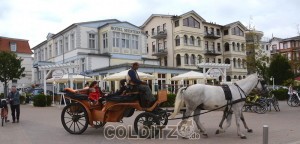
x: 127, y: 30
x: 214, y: 73
x: 57, y: 74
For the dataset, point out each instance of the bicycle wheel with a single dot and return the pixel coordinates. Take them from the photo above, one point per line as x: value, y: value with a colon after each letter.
x: 294, y: 101
x: 260, y: 107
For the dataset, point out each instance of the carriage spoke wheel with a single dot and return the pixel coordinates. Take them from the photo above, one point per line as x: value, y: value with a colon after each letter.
x: 98, y: 124
x: 74, y: 118
x: 146, y: 125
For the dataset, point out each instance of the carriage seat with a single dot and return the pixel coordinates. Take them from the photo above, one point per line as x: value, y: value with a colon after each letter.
x: 74, y: 95
x: 119, y: 98
x: 132, y: 89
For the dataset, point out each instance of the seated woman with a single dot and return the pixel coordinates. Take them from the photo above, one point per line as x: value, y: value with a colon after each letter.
x: 94, y: 92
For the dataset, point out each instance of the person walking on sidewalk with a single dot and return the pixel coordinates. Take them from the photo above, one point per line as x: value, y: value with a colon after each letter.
x: 14, y: 100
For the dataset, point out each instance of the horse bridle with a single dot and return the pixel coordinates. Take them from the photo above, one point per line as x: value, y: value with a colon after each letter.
x: 240, y: 89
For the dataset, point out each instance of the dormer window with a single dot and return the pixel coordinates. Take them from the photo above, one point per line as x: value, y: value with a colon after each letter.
x: 13, y: 46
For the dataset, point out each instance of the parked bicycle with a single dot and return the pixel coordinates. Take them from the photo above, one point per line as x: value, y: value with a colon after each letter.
x: 4, y: 111
x: 294, y: 100
x: 271, y: 101
x: 255, y: 104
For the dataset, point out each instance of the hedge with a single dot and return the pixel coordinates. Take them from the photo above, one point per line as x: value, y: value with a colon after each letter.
x: 281, y: 94
x: 170, y: 102
x: 40, y: 100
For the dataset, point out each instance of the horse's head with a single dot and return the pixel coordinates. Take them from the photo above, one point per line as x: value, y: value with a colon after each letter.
x: 261, y: 83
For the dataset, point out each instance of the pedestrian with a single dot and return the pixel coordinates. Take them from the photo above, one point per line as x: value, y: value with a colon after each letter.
x: 14, y: 100
x: 290, y: 91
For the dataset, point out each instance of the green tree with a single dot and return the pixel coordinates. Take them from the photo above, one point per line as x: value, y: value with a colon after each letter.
x: 280, y: 69
x: 10, y: 68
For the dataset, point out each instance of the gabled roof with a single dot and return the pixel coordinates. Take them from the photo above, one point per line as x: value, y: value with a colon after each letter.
x: 236, y: 23
x: 193, y: 12
x: 22, y: 45
x: 152, y: 16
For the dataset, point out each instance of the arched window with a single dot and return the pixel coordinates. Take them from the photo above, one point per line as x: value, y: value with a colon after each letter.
x: 244, y: 63
x: 220, y: 78
x: 234, y: 77
x: 192, y: 40
x: 234, y: 62
x: 227, y: 61
x: 186, y: 59
x: 193, y: 59
x: 199, y: 41
x: 228, y: 78
x: 244, y: 77
x: 199, y: 59
x: 238, y: 46
x: 178, y: 60
x: 240, y: 77
x: 233, y: 46
x: 185, y: 40
x: 226, y: 46
x: 177, y: 41
x: 239, y: 63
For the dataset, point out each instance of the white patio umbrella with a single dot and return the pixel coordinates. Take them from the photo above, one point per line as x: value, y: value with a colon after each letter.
x: 65, y: 78
x: 191, y: 75
x: 122, y: 75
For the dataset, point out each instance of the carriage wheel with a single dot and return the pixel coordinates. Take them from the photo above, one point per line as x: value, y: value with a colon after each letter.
x: 74, y: 118
x: 260, y: 107
x: 146, y: 125
x: 163, y: 118
x: 99, y: 124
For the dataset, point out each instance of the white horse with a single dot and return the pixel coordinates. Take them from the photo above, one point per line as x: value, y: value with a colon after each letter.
x: 206, y: 97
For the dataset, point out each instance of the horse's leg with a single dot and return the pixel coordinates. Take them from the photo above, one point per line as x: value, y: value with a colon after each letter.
x: 237, y: 112
x: 228, y: 116
x: 244, y: 122
x: 222, y: 121
x: 197, y: 120
x: 188, y: 112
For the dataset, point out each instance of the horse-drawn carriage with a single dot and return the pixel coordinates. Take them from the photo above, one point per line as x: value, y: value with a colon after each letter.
x: 80, y: 113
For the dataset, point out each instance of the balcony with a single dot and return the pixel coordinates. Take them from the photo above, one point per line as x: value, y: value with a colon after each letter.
x: 212, y: 52
x: 161, y: 52
x: 211, y: 35
x: 159, y: 34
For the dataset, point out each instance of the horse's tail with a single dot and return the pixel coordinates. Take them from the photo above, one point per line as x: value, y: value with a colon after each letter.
x: 179, y: 102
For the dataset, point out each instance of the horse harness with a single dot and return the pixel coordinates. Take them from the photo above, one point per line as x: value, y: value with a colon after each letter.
x: 228, y: 97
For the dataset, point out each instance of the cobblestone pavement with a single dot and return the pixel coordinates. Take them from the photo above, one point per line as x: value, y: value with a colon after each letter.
x: 43, y: 126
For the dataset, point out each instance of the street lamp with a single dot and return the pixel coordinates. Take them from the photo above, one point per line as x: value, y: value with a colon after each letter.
x: 272, y: 79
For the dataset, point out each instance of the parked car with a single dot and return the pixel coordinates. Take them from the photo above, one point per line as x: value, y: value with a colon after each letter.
x: 38, y: 91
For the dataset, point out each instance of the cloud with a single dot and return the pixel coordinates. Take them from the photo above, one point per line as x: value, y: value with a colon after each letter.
x: 34, y: 19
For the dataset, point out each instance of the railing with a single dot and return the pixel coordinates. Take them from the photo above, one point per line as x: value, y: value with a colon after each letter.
x: 159, y: 34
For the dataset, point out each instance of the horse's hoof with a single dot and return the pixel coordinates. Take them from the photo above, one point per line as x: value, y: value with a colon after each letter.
x: 243, y: 137
x: 250, y: 131
x: 218, y: 132
x: 205, y: 135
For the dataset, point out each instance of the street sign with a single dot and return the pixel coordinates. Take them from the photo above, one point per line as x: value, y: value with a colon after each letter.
x: 57, y: 74
x: 214, y: 73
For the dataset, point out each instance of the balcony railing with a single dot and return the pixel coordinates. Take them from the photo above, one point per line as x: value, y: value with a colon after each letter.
x: 159, y: 34
x: 211, y: 35
x: 160, y: 52
x: 212, y: 52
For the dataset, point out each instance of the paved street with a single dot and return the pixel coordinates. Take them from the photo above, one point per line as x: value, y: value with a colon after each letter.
x: 43, y: 126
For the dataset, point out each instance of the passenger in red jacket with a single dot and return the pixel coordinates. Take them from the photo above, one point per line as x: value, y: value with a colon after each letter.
x: 94, y: 92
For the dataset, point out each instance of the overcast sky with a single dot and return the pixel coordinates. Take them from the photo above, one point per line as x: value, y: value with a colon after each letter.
x: 34, y: 19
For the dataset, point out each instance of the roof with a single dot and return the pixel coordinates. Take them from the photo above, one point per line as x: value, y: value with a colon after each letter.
x: 118, y: 23
x: 22, y: 45
x: 297, y: 78
x: 292, y: 38
x: 193, y: 12
x: 152, y: 16
x: 237, y: 23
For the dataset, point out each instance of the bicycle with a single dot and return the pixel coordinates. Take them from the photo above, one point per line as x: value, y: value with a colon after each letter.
x: 255, y: 104
x: 271, y: 101
x: 4, y: 111
x: 293, y: 100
